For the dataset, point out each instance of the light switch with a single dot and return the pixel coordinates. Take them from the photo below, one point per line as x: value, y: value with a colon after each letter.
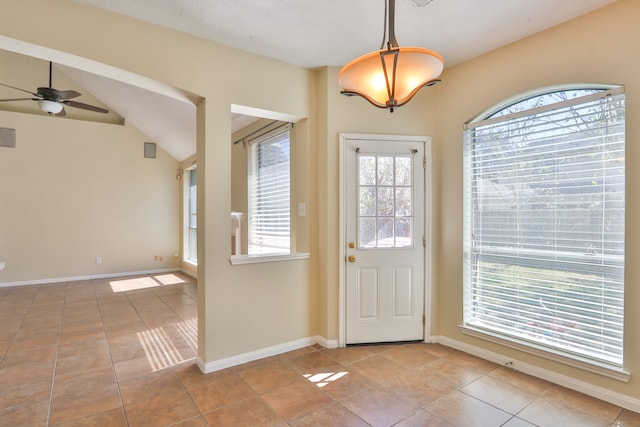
x: 302, y: 209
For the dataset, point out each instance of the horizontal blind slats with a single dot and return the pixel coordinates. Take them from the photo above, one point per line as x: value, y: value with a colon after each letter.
x: 544, y: 224
x: 269, y: 189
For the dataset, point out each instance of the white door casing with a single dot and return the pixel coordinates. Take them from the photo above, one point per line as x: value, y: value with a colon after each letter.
x: 384, y: 221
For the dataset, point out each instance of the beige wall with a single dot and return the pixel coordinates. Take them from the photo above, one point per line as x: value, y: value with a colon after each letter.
x: 249, y: 307
x: 241, y: 308
x: 76, y: 190
x: 598, y: 48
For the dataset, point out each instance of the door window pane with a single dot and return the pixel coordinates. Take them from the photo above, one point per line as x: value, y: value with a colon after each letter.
x: 385, y: 191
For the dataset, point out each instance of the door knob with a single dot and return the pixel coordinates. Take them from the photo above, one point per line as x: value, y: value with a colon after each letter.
x: 352, y: 245
x: 352, y: 258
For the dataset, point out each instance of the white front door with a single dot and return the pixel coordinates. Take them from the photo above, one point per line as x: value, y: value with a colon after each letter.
x: 384, y: 229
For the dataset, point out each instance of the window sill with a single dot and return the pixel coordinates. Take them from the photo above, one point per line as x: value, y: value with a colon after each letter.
x: 257, y: 259
x: 190, y: 262
x: 601, y: 368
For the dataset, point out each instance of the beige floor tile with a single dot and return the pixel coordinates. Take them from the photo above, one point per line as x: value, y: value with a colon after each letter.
x: 471, y: 362
x: 34, y: 342
x: 342, y: 386
x: 252, y: 412
x: 380, y: 408
x: 518, y: 422
x: 81, y: 336
x: 449, y: 372
x: 423, y: 418
x: 520, y: 380
x: 81, y: 402
x: 112, y: 418
x: 33, y: 414
x: 162, y: 410
x: 462, y: 410
x: 270, y: 376
x: 410, y: 356
x: 82, y: 362
x: 285, y: 357
x: 628, y: 419
x: 27, y: 373
x: 139, y: 388
x: 296, y: 400
x: 545, y: 413
x: 136, y: 367
x: 420, y: 389
x: 584, y: 403
x: 15, y: 358
x: 314, y: 362
x: 377, y: 368
x: 500, y: 394
x: 334, y: 415
x: 192, y: 422
x: 23, y: 393
x: 348, y: 355
x: 77, y: 380
x: 113, y: 369
x: 89, y: 349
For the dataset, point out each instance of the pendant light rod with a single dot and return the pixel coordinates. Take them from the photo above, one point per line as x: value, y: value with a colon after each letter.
x: 392, y: 19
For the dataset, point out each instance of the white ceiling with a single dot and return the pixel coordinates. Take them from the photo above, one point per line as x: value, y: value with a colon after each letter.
x: 332, y: 32
x: 313, y: 34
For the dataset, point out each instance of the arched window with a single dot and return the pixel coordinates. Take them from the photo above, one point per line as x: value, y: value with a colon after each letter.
x: 544, y: 223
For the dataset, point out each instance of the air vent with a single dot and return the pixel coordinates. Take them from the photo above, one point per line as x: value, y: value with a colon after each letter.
x: 7, y: 137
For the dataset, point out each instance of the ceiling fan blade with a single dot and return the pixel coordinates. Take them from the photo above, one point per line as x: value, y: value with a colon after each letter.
x: 18, y: 99
x: 77, y: 104
x: 55, y: 94
x: 68, y: 94
x: 62, y: 113
x: 22, y: 90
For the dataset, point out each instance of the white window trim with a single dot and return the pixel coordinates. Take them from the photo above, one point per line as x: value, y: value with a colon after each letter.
x: 600, y: 367
x: 258, y: 259
x: 530, y: 347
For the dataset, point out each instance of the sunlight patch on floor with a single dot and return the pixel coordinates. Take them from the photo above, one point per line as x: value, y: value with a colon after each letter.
x: 145, y: 282
x: 161, y: 351
x: 189, y: 331
x: 324, y: 378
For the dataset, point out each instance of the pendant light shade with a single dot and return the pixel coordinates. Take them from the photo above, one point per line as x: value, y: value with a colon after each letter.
x: 390, y: 77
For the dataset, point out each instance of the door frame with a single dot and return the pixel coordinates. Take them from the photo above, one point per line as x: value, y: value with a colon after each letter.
x: 342, y: 306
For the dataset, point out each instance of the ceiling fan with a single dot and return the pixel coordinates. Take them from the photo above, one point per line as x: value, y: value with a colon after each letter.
x: 52, y: 101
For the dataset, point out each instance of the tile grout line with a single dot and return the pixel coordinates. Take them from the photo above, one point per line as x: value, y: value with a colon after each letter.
x: 113, y: 367
x: 55, y: 364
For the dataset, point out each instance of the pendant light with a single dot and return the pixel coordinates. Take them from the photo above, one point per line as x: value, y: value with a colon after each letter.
x: 389, y: 77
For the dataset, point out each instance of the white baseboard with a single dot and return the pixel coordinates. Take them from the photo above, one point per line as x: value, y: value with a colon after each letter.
x: 601, y: 393
x: 189, y: 273
x: 239, y: 359
x: 327, y: 343
x: 89, y: 277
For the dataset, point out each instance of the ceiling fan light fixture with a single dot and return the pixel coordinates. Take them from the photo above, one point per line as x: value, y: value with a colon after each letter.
x: 391, y: 76
x: 50, y: 107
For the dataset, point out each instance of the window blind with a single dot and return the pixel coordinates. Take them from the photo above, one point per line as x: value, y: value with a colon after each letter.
x: 269, y: 193
x: 544, y: 216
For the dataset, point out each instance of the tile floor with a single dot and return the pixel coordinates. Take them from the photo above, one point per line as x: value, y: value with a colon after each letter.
x: 121, y: 352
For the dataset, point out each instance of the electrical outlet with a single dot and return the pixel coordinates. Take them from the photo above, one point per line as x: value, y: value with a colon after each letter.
x: 98, y: 260
x: 2, y: 265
